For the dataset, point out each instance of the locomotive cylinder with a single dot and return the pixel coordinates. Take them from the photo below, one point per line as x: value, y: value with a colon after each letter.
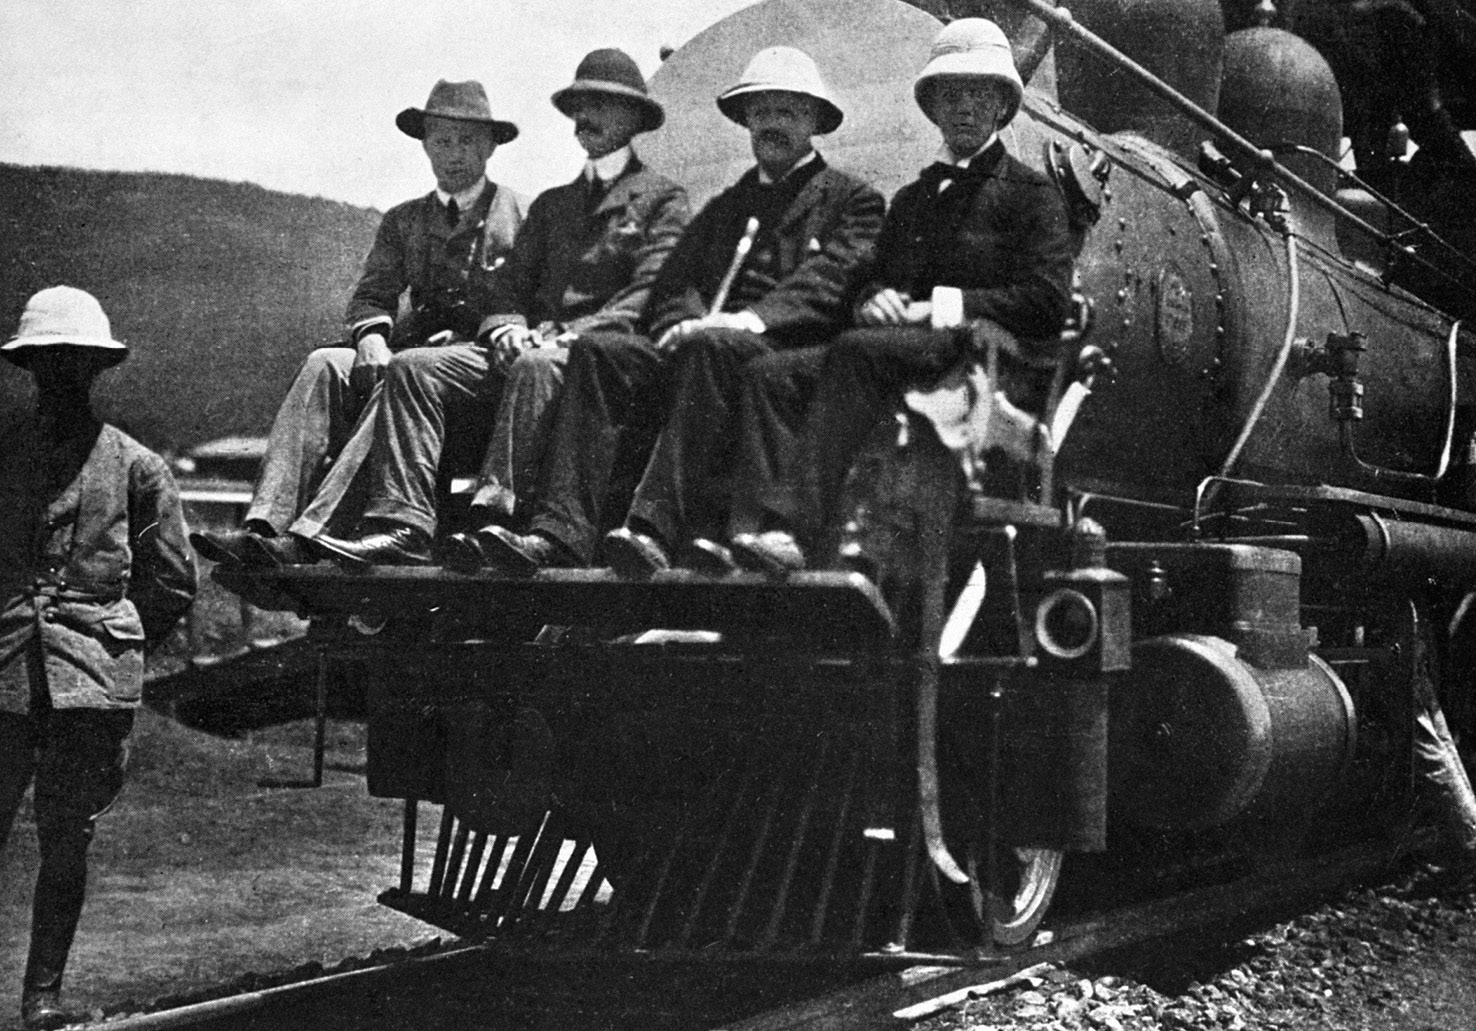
x: 1200, y: 738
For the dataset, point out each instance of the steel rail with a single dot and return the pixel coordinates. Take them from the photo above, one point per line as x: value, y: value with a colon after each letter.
x: 896, y: 1000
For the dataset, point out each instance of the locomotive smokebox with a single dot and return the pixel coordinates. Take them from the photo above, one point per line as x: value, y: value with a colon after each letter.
x: 1180, y: 41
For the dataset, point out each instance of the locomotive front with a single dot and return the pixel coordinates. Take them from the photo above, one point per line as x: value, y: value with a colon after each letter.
x: 1197, y: 633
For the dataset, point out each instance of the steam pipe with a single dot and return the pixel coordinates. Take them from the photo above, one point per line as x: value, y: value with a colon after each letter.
x: 1262, y: 159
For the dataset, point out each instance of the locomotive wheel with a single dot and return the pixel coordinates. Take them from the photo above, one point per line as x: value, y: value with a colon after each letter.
x: 1009, y: 912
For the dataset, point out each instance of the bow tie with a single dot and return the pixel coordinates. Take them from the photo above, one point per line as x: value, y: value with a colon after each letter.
x: 941, y: 174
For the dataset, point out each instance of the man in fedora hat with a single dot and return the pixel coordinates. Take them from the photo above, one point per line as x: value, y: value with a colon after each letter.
x: 979, y: 236
x: 583, y: 262
x: 94, y: 569
x: 726, y: 296
x: 441, y: 249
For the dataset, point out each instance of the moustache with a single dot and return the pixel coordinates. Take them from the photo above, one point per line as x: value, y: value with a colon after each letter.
x: 582, y: 127
x: 772, y: 136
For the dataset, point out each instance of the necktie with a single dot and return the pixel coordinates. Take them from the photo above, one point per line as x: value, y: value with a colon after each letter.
x: 596, y: 193
x: 453, y: 213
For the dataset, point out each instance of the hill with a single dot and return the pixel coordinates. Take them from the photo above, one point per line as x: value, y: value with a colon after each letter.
x: 220, y: 288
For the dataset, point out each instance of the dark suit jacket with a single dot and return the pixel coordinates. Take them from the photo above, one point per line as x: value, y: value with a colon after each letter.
x: 800, y: 276
x: 416, y: 250
x: 1004, y: 239
x: 583, y: 269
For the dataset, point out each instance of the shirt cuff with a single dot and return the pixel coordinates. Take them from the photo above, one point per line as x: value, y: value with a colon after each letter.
x: 750, y: 321
x: 379, y: 324
x: 948, y: 307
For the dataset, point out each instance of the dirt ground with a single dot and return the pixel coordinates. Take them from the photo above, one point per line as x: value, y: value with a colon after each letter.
x: 199, y: 875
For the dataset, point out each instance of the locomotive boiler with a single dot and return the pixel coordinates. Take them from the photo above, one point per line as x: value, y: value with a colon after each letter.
x: 1192, y: 636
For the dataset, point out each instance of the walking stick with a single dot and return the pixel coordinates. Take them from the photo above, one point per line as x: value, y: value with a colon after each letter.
x: 739, y: 253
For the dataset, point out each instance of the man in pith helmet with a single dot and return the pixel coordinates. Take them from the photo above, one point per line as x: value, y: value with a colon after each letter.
x: 441, y: 249
x: 978, y: 237
x: 94, y: 570
x: 705, y: 321
x: 583, y: 262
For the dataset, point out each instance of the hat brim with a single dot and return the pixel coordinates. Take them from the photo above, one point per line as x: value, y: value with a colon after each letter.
x: 106, y: 351
x: 653, y: 115
x: 963, y: 66
x: 411, y: 122
x: 731, y: 104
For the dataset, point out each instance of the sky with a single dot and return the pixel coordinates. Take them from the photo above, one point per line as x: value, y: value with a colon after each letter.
x: 301, y: 96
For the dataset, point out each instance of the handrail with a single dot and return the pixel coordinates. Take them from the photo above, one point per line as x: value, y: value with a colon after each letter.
x: 1262, y: 159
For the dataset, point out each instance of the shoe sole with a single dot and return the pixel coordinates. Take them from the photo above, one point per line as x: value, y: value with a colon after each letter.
x: 214, y: 552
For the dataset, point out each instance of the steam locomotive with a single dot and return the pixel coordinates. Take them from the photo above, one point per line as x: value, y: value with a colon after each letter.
x: 1194, y: 635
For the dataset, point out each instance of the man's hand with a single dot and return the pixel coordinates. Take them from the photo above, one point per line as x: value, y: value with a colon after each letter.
x: 369, y: 363
x: 511, y: 342
x: 746, y: 321
x: 890, y: 308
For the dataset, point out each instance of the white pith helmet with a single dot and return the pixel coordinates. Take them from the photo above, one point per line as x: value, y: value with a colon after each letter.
x: 786, y: 69
x: 971, y: 48
x: 63, y: 315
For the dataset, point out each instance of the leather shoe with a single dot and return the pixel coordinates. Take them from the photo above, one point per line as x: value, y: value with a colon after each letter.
x: 462, y: 553
x: 774, y: 552
x: 518, y: 554
x: 41, y: 1010
x: 231, y: 547
x: 709, y: 557
x: 400, y: 546
x: 633, y: 554
x: 275, y: 552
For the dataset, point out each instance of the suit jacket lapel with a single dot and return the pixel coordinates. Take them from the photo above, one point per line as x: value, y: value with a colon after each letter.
x: 622, y: 189
x: 434, y: 217
x: 804, y: 202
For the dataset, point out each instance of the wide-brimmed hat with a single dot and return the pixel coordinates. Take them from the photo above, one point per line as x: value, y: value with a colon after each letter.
x: 612, y: 73
x: 971, y: 48
x: 788, y: 70
x: 64, y: 315
x: 459, y: 101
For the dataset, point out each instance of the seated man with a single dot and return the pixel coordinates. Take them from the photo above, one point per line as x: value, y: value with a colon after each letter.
x: 979, y: 236
x: 815, y: 227
x: 441, y: 247
x: 584, y: 261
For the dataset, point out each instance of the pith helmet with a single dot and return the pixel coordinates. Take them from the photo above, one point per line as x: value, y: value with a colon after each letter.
x: 613, y: 73
x: 972, y: 48
x: 460, y: 101
x: 64, y: 315
x: 787, y: 69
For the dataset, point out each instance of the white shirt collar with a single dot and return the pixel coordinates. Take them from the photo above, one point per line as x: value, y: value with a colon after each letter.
x: 466, y: 198
x: 763, y: 176
x: 611, y: 166
x: 949, y: 158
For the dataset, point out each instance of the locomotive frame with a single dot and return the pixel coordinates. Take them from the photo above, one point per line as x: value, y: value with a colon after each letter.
x: 1195, y: 637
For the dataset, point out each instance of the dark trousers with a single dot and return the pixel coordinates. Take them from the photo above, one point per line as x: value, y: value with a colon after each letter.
x: 607, y: 420
x: 861, y: 379
x: 76, y: 757
x: 434, y: 397
x: 736, y: 404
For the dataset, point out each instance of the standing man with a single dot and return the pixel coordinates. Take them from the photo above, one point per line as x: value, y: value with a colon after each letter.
x: 442, y: 249
x: 716, y: 305
x: 583, y: 262
x: 979, y: 237
x: 94, y: 570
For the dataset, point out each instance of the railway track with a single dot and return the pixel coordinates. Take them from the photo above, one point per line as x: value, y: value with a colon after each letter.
x: 477, y: 986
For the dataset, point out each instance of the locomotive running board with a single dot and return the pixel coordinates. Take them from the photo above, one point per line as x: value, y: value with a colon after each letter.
x: 832, y: 609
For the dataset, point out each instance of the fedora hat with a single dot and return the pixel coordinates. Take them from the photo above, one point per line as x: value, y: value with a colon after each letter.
x: 786, y: 69
x: 64, y: 315
x: 459, y: 101
x: 971, y: 48
x: 614, y: 74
